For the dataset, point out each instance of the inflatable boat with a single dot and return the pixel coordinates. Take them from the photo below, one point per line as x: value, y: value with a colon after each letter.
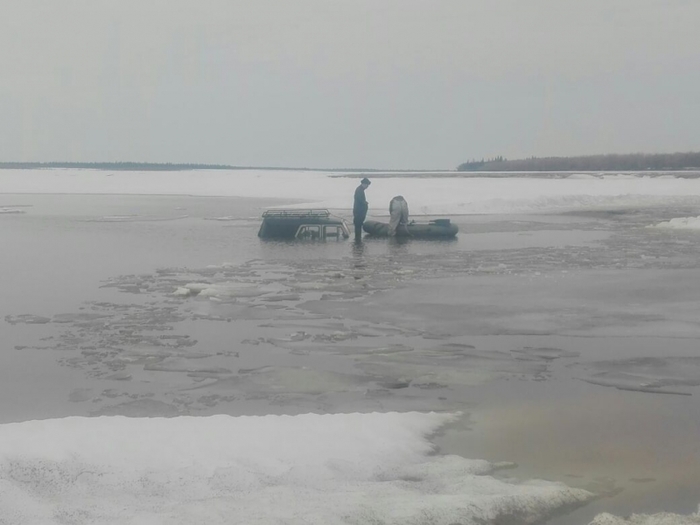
x: 313, y: 224
x: 435, y: 229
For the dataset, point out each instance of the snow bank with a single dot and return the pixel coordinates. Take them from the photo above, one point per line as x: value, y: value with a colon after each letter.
x: 311, y: 469
x: 429, y: 195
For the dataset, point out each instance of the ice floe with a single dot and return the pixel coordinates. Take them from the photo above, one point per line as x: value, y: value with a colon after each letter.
x: 679, y: 223
x: 660, y: 375
x: 311, y: 469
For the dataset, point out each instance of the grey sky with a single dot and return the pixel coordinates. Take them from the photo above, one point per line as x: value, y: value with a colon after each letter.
x: 346, y: 83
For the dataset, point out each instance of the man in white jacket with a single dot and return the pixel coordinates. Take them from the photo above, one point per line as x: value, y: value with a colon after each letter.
x: 398, y: 211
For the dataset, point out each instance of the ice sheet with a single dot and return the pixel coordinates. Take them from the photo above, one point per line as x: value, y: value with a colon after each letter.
x: 444, y: 195
x: 311, y: 469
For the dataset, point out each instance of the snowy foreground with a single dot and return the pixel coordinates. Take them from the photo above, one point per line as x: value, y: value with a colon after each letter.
x: 311, y: 469
x: 322, y: 469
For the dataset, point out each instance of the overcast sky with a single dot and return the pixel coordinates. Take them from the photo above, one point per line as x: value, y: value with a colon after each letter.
x: 346, y: 83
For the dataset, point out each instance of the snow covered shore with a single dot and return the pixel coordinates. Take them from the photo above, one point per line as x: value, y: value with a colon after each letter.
x: 426, y: 196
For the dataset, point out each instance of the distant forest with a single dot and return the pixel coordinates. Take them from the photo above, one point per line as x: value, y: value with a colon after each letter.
x: 167, y: 166
x: 615, y: 162
x: 122, y: 166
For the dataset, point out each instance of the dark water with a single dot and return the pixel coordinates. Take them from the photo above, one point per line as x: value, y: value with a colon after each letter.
x: 520, y: 324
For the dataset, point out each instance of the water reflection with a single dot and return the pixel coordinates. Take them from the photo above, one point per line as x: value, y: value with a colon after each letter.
x: 399, y: 249
x: 398, y: 242
x: 359, y: 262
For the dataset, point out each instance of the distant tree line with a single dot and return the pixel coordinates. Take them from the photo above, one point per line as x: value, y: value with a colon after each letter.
x: 615, y: 162
x: 475, y: 165
x: 167, y: 166
x: 122, y: 166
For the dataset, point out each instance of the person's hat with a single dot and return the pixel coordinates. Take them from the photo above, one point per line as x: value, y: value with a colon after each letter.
x: 365, y: 181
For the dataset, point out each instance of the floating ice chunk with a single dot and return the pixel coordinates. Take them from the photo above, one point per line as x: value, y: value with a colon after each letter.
x: 545, y: 353
x: 140, y: 354
x: 281, y: 297
x: 269, y: 381
x: 218, y: 290
x: 179, y: 364
x: 196, y: 288
x: 308, y: 285
x: 231, y: 290
x: 680, y: 223
x: 645, y: 374
x: 120, y: 376
x: 633, y: 388
x: 27, y: 319
x: 79, y: 318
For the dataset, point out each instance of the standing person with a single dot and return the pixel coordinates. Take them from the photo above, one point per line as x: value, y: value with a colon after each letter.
x: 360, y: 207
x: 398, y: 212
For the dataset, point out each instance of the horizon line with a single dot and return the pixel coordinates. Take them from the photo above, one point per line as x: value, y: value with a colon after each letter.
x: 132, y: 165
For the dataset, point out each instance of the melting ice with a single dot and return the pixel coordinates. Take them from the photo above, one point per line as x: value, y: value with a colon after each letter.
x: 311, y: 469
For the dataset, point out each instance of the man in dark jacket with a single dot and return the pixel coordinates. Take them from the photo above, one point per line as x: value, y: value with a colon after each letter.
x: 360, y: 207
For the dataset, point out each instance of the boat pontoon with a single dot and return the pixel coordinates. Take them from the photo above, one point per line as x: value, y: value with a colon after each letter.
x: 435, y: 229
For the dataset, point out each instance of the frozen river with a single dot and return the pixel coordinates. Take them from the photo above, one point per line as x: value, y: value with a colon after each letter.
x: 562, y: 324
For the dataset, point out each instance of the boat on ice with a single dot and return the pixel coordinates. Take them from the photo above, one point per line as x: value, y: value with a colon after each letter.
x: 311, y: 224
x: 435, y: 229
